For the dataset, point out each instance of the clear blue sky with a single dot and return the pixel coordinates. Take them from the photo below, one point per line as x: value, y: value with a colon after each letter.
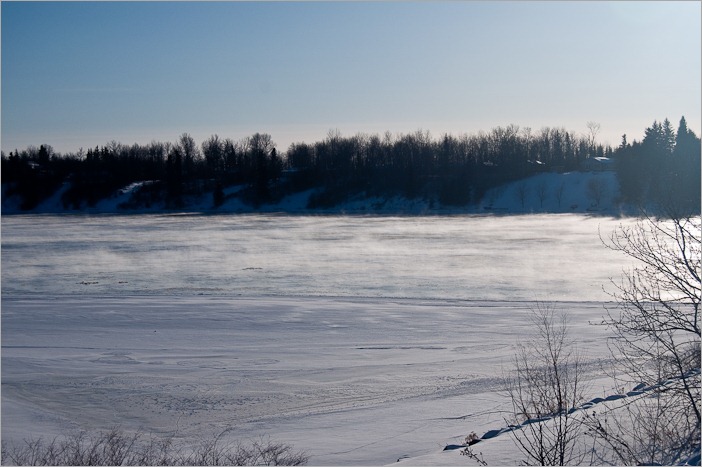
x: 78, y: 74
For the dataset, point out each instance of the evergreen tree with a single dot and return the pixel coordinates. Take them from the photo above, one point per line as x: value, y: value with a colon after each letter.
x: 685, y: 170
x: 667, y: 137
x: 43, y: 155
x: 624, y: 144
x: 653, y: 137
x: 684, y: 139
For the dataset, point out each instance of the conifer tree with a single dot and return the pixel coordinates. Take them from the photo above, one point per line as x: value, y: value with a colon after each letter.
x: 684, y: 139
x: 668, y: 137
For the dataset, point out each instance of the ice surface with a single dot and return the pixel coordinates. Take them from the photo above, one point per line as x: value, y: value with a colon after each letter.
x: 361, y: 340
x: 351, y: 381
x: 544, y: 257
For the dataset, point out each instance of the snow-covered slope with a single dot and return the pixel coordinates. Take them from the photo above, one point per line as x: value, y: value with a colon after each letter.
x: 573, y: 192
x: 553, y: 192
x: 499, y: 447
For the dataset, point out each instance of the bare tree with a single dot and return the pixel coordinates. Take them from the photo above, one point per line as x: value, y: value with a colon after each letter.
x: 261, y: 143
x: 657, y: 338
x: 542, y: 192
x: 596, y: 189
x: 522, y: 192
x: 544, y: 389
x: 213, y: 151
x: 645, y: 430
x: 527, y: 140
x: 190, y: 153
x: 593, y: 128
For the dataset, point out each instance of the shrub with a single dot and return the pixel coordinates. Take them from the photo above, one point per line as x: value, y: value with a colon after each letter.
x: 116, y: 447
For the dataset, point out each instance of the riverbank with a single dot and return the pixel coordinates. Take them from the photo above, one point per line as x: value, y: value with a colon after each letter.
x: 594, y: 193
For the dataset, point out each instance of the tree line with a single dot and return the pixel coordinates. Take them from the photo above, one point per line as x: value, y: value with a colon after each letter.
x: 664, y: 168
x: 174, y: 170
x: 449, y: 170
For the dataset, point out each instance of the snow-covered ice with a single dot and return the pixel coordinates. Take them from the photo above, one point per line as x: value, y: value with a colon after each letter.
x: 351, y: 381
x: 529, y: 257
x: 360, y: 340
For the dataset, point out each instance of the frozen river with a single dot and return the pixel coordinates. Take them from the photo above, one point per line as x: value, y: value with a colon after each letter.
x: 357, y: 339
x: 544, y: 257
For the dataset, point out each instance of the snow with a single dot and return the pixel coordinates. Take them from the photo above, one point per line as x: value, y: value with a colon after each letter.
x: 350, y: 381
x: 543, y: 193
x: 571, y: 188
x: 359, y: 339
x: 528, y: 257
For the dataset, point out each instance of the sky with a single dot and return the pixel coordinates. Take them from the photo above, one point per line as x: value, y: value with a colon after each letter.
x: 80, y: 74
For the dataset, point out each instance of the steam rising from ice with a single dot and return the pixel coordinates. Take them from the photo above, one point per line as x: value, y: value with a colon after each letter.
x: 360, y: 381
x: 557, y: 257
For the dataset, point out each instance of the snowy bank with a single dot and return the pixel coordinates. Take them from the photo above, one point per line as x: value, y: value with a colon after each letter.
x: 349, y: 381
x: 595, y: 192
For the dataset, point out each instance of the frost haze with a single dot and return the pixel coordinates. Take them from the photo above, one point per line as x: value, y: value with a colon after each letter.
x: 360, y: 340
